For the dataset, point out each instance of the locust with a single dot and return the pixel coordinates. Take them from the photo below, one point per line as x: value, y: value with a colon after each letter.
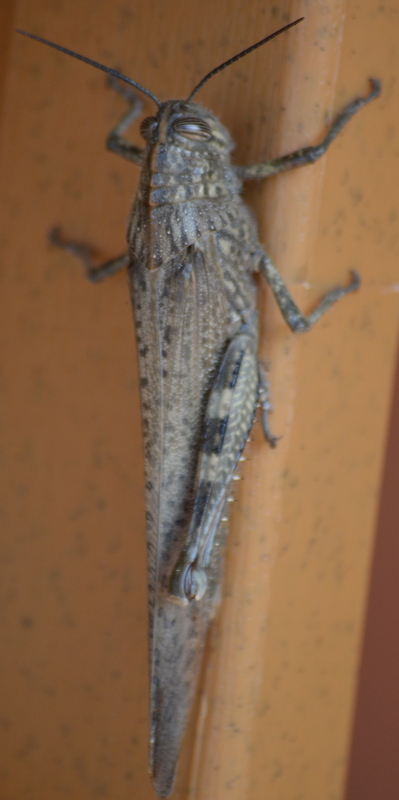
x: 193, y: 251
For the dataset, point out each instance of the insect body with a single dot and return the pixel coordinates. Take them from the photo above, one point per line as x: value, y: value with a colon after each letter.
x: 194, y: 247
x: 192, y: 253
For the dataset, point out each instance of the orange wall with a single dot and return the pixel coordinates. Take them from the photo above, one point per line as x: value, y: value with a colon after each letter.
x: 279, y: 682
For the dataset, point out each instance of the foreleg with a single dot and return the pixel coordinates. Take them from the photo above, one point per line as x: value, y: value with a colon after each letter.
x: 307, y: 155
x: 115, y: 141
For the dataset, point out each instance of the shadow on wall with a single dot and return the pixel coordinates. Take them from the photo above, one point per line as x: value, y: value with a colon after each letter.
x: 374, y: 764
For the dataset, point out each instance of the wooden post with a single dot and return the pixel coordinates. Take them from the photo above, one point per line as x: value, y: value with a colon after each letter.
x: 273, y: 715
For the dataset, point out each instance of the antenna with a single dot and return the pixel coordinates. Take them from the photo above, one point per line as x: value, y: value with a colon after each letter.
x: 241, y: 55
x: 93, y: 64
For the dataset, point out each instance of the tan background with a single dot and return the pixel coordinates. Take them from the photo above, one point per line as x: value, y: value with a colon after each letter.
x: 279, y: 681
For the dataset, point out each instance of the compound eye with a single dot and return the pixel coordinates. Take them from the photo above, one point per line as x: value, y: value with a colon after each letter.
x: 147, y: 127
x: 192, y: 128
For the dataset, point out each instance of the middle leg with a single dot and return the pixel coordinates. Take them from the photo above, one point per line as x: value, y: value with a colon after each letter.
x: 295, y: 319
x: 85, y: 253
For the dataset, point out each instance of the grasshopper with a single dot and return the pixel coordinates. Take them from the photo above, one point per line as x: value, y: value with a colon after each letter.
x: 192, y: 253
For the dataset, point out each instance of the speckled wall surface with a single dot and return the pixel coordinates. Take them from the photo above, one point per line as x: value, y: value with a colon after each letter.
x: 279, y: 682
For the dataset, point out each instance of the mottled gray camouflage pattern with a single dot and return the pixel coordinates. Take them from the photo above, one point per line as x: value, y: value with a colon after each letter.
x: 193, y: 249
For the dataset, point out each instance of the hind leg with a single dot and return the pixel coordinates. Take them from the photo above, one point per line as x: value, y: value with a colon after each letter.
x: 266, y: 406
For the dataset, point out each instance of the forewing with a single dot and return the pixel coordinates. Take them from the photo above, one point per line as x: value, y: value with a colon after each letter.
x: 182, y: 326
